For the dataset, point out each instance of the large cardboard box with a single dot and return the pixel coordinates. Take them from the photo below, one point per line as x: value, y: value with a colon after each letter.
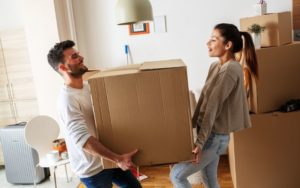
x: 278, y: 28
x: 144, y: 106
x: 267, y: 155
x: 279, y: 77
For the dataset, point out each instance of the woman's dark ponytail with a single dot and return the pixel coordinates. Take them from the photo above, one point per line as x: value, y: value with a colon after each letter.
x: 249, y: 54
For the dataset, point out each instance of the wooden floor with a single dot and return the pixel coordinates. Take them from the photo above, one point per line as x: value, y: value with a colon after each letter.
x: 159, y: 176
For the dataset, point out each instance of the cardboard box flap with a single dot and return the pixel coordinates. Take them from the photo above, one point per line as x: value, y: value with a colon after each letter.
x: 135, y: 68
x: 89, y: 74
x: 114, y: 73
x: 126, y: 67
x: 151, y: 65
x: 267, y: 14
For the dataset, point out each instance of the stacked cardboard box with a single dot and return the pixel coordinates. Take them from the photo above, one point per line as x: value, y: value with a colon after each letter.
x: 277, y: 66
x: 265, y: 156
x: 278, y: 69
x: 278, y: 28
x: 144, y: 106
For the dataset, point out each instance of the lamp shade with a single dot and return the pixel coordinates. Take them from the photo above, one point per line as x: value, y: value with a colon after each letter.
x: 132, y: 11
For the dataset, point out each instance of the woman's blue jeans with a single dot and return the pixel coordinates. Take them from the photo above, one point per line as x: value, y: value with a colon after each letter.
x: 105, y: 178
x: 208, y: 165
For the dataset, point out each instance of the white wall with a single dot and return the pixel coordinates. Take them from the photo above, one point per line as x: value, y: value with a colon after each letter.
x: 10, y: 14
x: 189, y: 24
x: 42, y: 33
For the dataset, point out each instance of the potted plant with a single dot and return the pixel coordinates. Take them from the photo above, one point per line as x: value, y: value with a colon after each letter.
x: 256, y: 30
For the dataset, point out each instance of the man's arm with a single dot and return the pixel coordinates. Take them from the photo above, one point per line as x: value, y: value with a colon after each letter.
x: 94, y: 147
x: 77, y: 131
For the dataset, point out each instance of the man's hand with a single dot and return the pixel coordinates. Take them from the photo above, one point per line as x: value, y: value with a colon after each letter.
x: 125, y: 161
x: 197, y: 151
x: 94, y: 147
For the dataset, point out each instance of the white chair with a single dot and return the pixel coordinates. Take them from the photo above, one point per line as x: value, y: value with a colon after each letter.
x: 40, y: 132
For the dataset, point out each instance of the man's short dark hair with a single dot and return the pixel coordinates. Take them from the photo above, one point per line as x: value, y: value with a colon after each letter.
x: 55, y: 55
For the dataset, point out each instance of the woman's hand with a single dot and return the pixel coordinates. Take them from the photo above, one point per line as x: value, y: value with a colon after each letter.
x: 197, y: 151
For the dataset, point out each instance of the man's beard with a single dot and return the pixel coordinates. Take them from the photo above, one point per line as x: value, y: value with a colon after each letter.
x: 78, y: 73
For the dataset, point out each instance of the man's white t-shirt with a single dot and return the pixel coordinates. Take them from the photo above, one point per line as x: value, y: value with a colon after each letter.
x: 77, y: 122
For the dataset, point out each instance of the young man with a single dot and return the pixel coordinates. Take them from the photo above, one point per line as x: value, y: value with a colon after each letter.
x: 77, y: 119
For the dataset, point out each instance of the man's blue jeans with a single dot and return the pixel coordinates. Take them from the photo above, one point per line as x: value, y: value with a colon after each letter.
x: 105, y: 178
x: 208, y: 165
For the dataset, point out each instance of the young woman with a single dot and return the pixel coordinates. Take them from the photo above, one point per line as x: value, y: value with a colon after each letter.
x: 221, y: 109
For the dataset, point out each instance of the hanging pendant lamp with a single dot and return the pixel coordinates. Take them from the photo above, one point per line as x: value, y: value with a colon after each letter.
x: 132, y: 11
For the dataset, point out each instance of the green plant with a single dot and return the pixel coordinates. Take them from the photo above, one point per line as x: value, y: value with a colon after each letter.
x: 256, y: 28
